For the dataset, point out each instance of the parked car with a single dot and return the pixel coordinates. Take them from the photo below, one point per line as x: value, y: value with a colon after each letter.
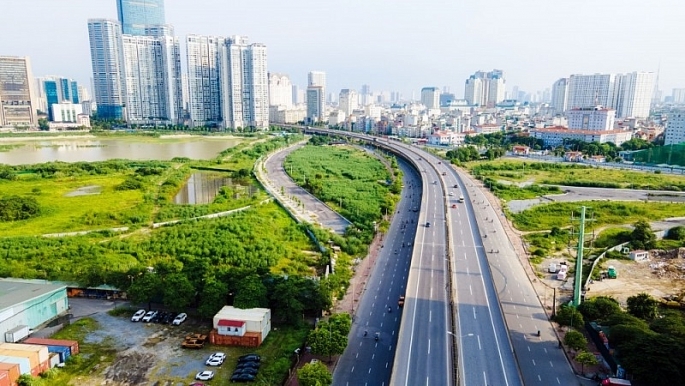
x: 204, y: 375
x: 246, y: 370
x: 218, y: 355
x: 159, y: 317
x: 148, y: 317
x: 211, y: 361
x: 242, y: 378
x: 252, y: 365
x: 169, y: 318
x: 138, y: 316
x: 180, y: 318
x: 249, y: 358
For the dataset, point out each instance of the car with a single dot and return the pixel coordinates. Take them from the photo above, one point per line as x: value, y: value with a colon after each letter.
x: 169, y: 318
x: 218, y: 355
x: 242, y: 378
x: 451, y: 194
x: 249, y: 358
x: 246, y: 370
x: 454, y: 206
x: 159, y: 317
x: 252, y: 365
x: 214, y: 361
x: 204, y: 375
x: 456, y: 186
x: 428, y: 225
x: 138, y: 316
x: 180, y: 318
x: 149, y: 316
x: 314, y: 361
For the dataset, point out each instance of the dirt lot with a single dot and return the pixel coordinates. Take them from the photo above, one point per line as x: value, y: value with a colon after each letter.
x: 659, y: 276
x: 150, y: 354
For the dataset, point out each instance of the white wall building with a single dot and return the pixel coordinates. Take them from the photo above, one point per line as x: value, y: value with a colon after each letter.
x: 678, y: 95
x: 635, y: 91
x: 629, y: 94
x: 203, y: 54
x: 560, y: 95
x: 348, y: 101
x: 675, y: 128
x: 485, y: 88
x: 280, y: 90
x: 557, y: 136
x: 257, y: 320
x: 66, y: 112
x: 430, y: 97
x: 591, y: 118
x: 316, y: 79
x: 107, y: 60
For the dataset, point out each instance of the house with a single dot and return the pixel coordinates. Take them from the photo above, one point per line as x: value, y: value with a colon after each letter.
x: 573, y: 156
x: 639, y: 255
x: 240, y: 327
x: 520, y: 150
x: 598, y: 159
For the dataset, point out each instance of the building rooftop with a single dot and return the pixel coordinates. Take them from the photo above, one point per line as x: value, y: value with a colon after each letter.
x: 249, y: 314
x: 15, y: 291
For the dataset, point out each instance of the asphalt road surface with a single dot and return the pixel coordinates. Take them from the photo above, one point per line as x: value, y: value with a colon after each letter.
x: 279, y: 178
x: 368, y: 361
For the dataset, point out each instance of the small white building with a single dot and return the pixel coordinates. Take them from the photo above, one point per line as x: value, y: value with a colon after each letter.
x: 236, y: 321
x: 639, y: 255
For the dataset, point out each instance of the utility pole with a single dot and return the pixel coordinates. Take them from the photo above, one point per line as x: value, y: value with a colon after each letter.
x: 579, y: 260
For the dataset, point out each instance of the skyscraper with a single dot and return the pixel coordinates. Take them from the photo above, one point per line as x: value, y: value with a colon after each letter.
x: 17, y: 104
x: 280, y: 90
x: 560, y: 95
x: 135, y: 15
x: 107, y: 59
x: 629, y: 94
x: 485, y: 88
x: 635, y: 94
x: 430, y: 97
x: 316, y: 95
x: 57, y: 90
x: 348, y: 101
x: 203, y: 54
x: 152, y: 70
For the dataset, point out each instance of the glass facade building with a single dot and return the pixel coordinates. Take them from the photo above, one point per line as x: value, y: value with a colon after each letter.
x: 134, y: 15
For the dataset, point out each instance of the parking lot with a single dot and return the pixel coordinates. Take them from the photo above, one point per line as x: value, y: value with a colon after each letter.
x: 149, y: 353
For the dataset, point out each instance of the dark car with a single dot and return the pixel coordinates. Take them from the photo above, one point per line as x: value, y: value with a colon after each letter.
x: 158, y: 317
x: 249, y: 358
x: 428, y: 225
x: 246, y: 370
x: 248, y: 365
x: 170, y: 318
x: 242, y: 378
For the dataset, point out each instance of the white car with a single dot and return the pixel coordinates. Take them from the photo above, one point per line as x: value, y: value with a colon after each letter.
x: 451, y: 194
x: 218, y: 355
x: 204, y: 375
x: 148, y: 317
x: 138, y: 315
x: 180, y: 318
x: 212, y: 361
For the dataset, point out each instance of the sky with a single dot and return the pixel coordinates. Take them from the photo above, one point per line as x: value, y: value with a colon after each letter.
x: 391, y: 45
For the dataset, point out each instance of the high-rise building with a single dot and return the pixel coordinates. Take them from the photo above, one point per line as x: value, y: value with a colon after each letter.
x: 591, y: 118
x: 245, y: 84
x: 315, y: 103
x: 348, y: 101
x: 560, y: 95
x: 678, y: 95
x: 136, y: 15
x: 107, y: 59
x: 152, y: 71
x: 316, y: 95
x: 17, y: 104
x: 485, y: 88
x: 675, y: 128
x: 55, y: 89
x: 227, y: 82
x: 629, y: 94
x: 280, y: 90
x: 203, y: 54
x: 430, y: 97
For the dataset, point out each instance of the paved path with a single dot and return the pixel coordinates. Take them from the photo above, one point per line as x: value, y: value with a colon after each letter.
x: 304, y: 206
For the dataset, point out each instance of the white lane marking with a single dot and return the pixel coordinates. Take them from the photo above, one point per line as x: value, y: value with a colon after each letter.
x: 479, y: 346
x: 558, y: 381
x: 551, y: 364
x: 431, y: 297
x: 430, y: 316
x: 429, y: 346
x: 386, y: 365
x: 534, y: 362
x: 474, y: 312
x: 539, y: 379
x: 352, y: 369
x: 470, y: 289
x: 369, y: 370
x: 357, y: 356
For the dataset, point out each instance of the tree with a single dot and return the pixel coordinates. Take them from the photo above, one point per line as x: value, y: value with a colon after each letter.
x: 599, y: 308
x: 575, y: 340
x: 285, y: 302
x: 676, y: 233
x: 341, y: 323
x: 327, y: 340
x: 43, y: 124
x: 586, y: 358
x: 569, y: 316
x: 642, y: 236
x: 145, y: 289
x: 251, y: 293
x: 212, y: 298
x: 643, y: 306
x: 178, y: 292
x: 314, y: 374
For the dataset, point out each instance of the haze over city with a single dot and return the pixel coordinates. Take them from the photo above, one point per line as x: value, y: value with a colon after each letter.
x: 390, y: 45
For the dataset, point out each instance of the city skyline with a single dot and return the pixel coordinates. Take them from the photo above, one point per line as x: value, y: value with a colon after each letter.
x: 430, y: 48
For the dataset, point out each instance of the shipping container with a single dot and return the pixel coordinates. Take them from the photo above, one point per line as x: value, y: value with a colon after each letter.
x: 12, y: 372
x: 16, y: 334
x: 34, y: 364
x: 23, y: 362
x: 42, y: 351
x: 54, y: 360
x: 72, y: 344
x: 62, y: 351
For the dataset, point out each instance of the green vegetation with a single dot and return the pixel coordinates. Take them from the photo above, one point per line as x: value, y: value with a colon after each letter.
x: 650, y: 347
x: 575, y: 340
x: 514, y: 192
x: 330, y: 337
x: 574, y: 175
x: 314, y: 374
x: 558, y: 214
x: 611, y: 237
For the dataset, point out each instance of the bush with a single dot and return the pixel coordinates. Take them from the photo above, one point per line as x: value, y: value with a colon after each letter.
x: 15, y: 208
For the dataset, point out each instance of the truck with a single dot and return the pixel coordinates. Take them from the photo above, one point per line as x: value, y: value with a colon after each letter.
x: 401, y: 301
x: 17, y: 333
x: 615, y: 382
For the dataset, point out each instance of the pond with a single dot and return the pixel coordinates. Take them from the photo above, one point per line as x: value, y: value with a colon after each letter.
x: 91, y: 149
x: 202, y: 188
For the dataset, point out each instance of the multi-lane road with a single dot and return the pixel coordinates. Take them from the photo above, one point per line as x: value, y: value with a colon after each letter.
x: 368, y: 361
x: 496, y: 314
